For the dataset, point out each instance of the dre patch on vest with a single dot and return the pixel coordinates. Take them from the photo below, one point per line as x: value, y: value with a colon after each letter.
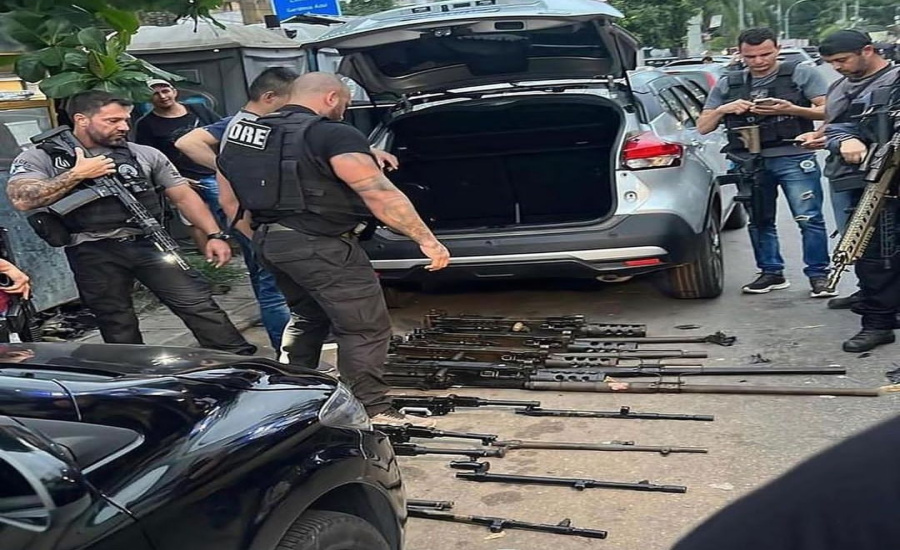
x: 249, y: 134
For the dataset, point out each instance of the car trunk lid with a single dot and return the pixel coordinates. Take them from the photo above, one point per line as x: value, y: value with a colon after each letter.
x: 449, y: 45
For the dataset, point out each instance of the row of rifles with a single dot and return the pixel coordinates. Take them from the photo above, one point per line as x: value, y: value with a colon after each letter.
x: 565, y: 353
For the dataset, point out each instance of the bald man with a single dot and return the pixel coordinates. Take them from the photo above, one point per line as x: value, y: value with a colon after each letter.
x: 310, y: 182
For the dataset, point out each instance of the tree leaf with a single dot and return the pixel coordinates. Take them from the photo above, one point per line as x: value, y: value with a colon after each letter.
x: 56, y: 30
x: 29, y: 67
x: 66, y: 84
x: 120, y: 20
x: 52, y: 57
x: 22, y: 32
x: 93, y: 39
x: 75, y: 60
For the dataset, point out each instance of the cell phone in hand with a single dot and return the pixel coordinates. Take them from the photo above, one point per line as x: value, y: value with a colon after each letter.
x: 765, y: 101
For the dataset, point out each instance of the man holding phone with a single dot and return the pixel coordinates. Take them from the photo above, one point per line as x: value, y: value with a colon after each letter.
x: 782, y: 99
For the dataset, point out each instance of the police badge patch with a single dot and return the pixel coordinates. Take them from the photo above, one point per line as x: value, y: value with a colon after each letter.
x: 249, y: 134
x: 20, y: 166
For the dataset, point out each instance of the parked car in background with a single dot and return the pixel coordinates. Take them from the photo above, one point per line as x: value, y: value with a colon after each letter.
x: 109, y: 447
x: 532, y: 151
x: 795, y: 55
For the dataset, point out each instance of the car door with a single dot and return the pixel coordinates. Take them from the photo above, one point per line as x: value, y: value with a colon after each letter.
x: 693, y: 98
x: 681, y: 128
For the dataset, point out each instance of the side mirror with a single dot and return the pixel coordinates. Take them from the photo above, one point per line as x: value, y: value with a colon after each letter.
x: 40, y: 485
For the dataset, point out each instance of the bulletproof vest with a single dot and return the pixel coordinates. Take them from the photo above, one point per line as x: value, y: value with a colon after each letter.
x: 772, y: 129
x: 108, y: 213
x: 277, y: 177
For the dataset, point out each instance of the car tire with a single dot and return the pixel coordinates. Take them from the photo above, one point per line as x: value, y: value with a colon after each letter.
x: 323, y: 530
x: 738, y: 217
x: 705, y: 276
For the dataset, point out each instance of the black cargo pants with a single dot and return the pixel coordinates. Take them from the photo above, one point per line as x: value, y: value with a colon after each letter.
x: 105, y: 271
x: 329, y: 284
x: 878, y: 271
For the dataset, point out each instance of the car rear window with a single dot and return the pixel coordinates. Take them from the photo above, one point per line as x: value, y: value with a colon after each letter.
x: 489, y: 53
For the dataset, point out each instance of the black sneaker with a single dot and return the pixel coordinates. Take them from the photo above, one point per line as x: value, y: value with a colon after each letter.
x: 846, y: 302
x: 819, y: 286
x: 766, y: 282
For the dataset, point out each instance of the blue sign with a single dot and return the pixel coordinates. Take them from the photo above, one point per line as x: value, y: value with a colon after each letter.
x: 290, y: 8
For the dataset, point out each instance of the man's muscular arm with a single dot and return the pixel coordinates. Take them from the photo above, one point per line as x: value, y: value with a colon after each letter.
x: 388, y: 203
x: 31, y: 193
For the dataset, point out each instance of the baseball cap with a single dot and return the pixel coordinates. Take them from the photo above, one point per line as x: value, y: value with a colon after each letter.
x: 843, y: 41
x: 158, y: 82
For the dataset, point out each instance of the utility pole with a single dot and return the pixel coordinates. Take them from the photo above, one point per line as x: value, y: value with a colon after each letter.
x: 741, y: 17
x: 844, y: 13
x: 855, y: 14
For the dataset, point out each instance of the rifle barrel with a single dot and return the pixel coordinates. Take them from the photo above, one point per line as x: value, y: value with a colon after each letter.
x: 609, y: 446
x: 575, y: 483
x: 677, y: 387
x: 497, y: 525
x: 624, y: 413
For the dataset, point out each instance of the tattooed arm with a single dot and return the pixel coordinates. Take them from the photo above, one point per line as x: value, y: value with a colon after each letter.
x: 28, y: 193
x: 388, y: 204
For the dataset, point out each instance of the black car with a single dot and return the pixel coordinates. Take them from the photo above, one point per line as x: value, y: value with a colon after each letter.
x: 111, y: 447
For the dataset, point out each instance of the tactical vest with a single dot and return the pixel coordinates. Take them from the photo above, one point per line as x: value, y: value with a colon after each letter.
x: 277, y: 177
x: 107, y: 214
x: 772, y: 129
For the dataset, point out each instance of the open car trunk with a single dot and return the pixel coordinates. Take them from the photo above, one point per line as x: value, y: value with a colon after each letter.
x: 506, y: 163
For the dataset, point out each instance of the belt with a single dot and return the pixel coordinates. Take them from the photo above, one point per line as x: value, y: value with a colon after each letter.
x: 277, y: 227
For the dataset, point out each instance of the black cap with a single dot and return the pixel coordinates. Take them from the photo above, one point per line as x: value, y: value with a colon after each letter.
x: 847, y: 40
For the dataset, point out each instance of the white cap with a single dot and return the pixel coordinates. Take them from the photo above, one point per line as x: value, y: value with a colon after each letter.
x: 158, y: 82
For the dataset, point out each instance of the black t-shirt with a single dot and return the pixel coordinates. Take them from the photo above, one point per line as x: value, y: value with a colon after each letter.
x: 331, y: 138
x: 846, y: 498
x: 162, y: 133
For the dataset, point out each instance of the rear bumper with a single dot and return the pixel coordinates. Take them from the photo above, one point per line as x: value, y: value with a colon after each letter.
x: 623, y: 245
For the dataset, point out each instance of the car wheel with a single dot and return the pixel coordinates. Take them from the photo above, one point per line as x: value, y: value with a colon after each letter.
x: 322, y: 530
x: 738, y: 217
x: 705, y: 276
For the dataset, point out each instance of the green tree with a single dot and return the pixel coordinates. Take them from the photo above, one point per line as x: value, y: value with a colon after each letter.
x: 658, y: 23
x: 69, y: 46
x: 365, y: 7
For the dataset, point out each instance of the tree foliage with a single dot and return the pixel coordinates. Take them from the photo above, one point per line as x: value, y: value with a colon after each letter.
x: 658, y: 23
x: 75, y: 45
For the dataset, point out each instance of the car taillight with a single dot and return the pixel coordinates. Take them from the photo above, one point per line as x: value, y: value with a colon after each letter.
x: 711, y: 80
x: 648, y: 151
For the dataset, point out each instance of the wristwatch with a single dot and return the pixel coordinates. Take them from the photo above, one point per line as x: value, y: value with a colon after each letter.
x: 219, y: 235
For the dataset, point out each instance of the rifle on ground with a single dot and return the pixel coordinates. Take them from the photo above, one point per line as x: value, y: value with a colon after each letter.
x: 473, y: 353
x: 596, y: 344
x: 496, y: 525
x: 411, y: 449
x: 17, y: 324
x: 566, y: 324
x: 681, y: 387
x: 110, y: 186
x: 605, y: 446
x: 441, y: 405
x: 403, y: 434
x: 431, y: 504
x: 624, y: 413
x: 576, y: 483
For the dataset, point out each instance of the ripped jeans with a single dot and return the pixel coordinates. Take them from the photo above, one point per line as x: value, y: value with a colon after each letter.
x: 800, y: 179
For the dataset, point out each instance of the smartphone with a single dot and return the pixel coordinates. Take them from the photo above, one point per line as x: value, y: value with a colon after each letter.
x: 765, y: 101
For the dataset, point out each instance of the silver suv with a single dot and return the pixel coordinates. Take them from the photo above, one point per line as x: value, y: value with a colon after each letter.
x: 533, y: 149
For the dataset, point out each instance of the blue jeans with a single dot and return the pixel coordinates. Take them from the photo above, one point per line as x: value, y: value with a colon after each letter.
x: 273, y: 309
x: 800, y: 180
x: 843, y: 203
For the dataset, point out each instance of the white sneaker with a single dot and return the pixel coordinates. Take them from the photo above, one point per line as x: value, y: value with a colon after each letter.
x: 396, y: 418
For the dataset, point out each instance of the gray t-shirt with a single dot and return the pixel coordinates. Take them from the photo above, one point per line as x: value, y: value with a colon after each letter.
x: 845, y: 90
x: 808, y: 79
x: 36, y: 164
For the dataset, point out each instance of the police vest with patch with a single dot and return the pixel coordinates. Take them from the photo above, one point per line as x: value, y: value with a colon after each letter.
x: 773, y: 130
x: 277, y: 178
x: 107, y: 214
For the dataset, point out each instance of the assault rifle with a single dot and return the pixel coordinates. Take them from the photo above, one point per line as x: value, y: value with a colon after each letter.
x: 432, y: 510
x: 681, y: 387
x: 576, y: 483
x: 881, y: 177
x: 411, y: 449
x: 603, y: 446
x: 436, y: 374
x: 624, y: 413
x: 110, y: 186
x: 440, y: 336
x: 17, y: 324
x: 403, y: 434
x: 441, y: 405
x: 472, y: 353
x: 749, y: 174
x: 566, y: 324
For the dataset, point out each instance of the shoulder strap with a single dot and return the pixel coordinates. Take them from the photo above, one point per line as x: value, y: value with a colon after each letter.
x: 786, y: 68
